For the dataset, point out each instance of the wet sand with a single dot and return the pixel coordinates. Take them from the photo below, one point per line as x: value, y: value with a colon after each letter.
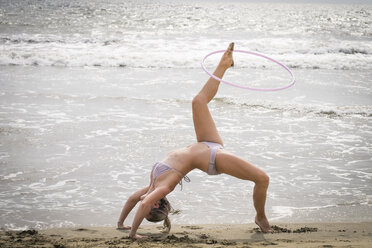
x: 247, y: 235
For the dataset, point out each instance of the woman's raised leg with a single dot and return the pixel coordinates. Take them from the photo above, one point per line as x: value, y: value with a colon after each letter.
x: 204, y: 125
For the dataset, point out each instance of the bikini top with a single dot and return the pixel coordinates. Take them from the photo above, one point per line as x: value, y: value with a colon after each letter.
x: 160, y: 168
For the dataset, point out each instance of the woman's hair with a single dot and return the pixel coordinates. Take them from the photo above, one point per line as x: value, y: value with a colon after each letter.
x: 161, y: 213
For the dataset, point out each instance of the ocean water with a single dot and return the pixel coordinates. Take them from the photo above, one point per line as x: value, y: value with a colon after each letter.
x: 93, y: 93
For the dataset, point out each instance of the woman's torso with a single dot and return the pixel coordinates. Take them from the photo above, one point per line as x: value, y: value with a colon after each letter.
x: 195, y: 156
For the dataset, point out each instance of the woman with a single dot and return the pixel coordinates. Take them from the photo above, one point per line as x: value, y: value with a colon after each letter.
x: 207, y: 154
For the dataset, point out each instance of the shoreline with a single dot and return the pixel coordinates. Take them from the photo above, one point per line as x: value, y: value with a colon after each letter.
x: 209, y: 235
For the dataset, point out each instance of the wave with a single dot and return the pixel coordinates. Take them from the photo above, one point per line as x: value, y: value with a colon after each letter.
x: 353, y: 51
x: 97, y: 58
x: 42, y: 40
x: 157, y: 52
x: 303, y: 109
x: 258, y: 105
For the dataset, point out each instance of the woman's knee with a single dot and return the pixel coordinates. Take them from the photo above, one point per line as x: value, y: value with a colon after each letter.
x: 198, y: 100
x: 263, y: 179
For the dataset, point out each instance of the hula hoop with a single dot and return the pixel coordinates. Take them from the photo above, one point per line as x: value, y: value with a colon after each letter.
x: 246, y: 87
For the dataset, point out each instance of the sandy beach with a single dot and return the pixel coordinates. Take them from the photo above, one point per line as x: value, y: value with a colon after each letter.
x: 247, y: 235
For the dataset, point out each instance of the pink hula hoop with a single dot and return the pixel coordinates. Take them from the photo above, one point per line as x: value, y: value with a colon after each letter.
x: 246, y: 87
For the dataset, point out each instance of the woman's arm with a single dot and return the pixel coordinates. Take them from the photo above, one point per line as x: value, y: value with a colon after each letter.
x: 145, y: 208
x: 129, y: 205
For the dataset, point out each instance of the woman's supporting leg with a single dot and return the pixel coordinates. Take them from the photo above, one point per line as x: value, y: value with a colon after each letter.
x: 204, y: 125
x: 232, y: 165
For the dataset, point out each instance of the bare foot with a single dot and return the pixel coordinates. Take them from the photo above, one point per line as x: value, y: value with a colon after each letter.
x: 264, y: 225
x: 227, y: 60
x: 122, y: 227
x: 139, y: 237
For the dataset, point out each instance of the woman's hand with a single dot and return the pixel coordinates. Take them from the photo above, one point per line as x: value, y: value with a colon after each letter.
x: 227, y: 60
x: 138, y: 237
